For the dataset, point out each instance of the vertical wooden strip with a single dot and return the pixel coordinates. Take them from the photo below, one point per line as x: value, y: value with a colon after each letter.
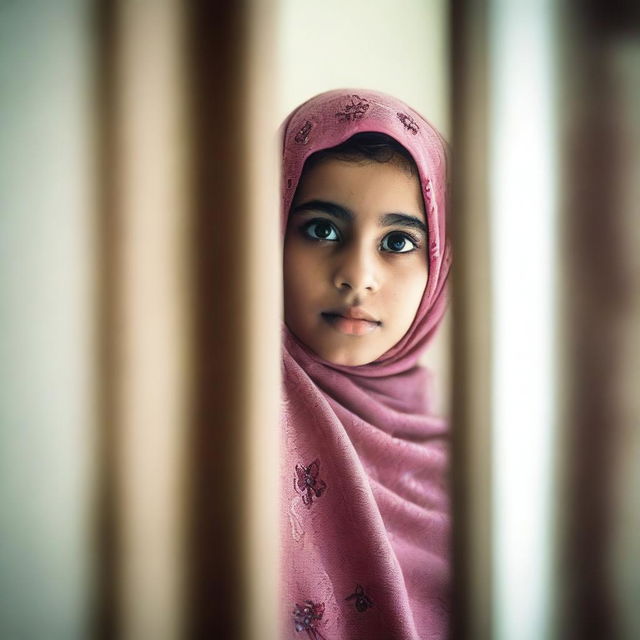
x: 105, y: 613
x: 218, y: 472
x: 601, y: 315
x: 264, y: 303
x: 152, y: 317
x: 471, y: 388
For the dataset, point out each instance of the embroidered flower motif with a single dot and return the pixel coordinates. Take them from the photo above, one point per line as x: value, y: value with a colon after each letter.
x: 306, y: 617
x: 353, y: 110
x: 409, y: 123
x: 302, y: 137
x: 307, y: 482
x: 362, y: 600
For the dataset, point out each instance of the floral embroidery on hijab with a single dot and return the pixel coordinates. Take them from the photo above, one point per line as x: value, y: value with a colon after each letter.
x: 353, y: 110
x: 306, y: 617
x: 362, y: 600
x: 302, y: 137
x: 307, y: 482
x: 409, y: 123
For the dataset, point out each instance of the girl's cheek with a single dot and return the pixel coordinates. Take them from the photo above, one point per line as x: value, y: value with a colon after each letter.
x: 299, y: 255
x: 413, y: 268
x: 302, y: 266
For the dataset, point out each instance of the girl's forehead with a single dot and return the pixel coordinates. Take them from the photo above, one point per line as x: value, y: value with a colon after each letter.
x: 364, y: 185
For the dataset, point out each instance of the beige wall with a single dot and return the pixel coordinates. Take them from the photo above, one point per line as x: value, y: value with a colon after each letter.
x: 397, y: 47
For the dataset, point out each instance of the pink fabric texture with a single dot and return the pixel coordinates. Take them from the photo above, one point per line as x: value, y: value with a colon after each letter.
x: 365, y: 516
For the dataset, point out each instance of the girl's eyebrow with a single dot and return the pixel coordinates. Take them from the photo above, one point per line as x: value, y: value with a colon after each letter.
x: 331, y: 208
x: 403, y: 220
x: 342, y: 213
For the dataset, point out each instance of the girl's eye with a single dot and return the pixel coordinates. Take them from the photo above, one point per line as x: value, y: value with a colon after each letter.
x: 398, y: 243
x: 321, y: 230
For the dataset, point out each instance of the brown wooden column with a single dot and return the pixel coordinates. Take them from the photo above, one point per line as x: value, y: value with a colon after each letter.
x: 232, y: 587
x: 471, y: 404
x: 600, y: 302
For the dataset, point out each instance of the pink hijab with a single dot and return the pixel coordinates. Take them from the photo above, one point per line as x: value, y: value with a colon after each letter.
x: 365, y: 518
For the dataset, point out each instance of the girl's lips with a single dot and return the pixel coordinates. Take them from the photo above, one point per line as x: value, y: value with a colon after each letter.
x: 350, y: 326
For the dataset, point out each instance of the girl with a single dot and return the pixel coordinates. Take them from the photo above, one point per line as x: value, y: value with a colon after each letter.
x: 365, y: 505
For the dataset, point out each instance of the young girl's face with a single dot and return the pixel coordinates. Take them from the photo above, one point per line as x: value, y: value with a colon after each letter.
x: 355, y: 259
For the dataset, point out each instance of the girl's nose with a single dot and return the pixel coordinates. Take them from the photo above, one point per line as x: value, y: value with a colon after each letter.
x: 356, y: 271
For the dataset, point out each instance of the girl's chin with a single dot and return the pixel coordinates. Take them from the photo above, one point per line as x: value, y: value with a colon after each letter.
x: 349, y: 357
x: 340, y: 349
